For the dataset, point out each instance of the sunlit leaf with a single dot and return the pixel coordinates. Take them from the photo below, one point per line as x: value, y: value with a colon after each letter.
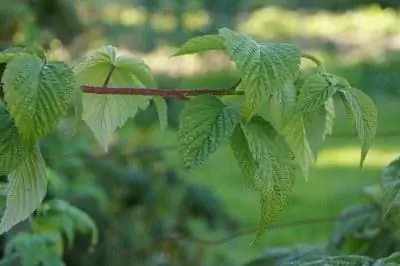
x: 37, y: 95
x: 201, y: 44
x: 266, y: 69
x: 315, y: 91
x: 105, y: 113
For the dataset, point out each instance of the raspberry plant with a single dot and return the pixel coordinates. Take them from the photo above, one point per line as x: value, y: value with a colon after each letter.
x: 275, y: 119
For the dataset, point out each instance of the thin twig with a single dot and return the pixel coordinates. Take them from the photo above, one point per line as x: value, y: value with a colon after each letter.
x: 248, y: 231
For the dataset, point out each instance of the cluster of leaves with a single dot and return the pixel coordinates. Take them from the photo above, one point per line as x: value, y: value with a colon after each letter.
x: 275, y: 119
x: 277, y: 128
x: 43, y: 244
x: 365, y: 234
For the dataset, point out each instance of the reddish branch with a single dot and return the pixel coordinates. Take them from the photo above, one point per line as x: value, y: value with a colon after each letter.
x: 167, y: 93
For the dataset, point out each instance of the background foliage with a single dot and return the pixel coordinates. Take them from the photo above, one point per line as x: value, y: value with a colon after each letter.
x: 147, y: 208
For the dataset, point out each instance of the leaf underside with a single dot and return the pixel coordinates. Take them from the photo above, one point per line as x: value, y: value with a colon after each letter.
x: 12, y: 150
x: 26, y: 190
x: 105, y: 113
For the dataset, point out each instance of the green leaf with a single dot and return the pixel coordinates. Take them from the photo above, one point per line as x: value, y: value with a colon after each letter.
x: 27, y: 188
x: 364, y: 114
x: 315, y: 91
x: 72, y: 218
x: 268, y: 163
x: 355, y: 219
x: 330, y: 115
x: 105, y: 113
x: 342, y: 260
x: 12, y: 150
x: 201, y: 44
x: 35, y: 249
x: 9, y: 53
x: 37, y: 95
x: 266, y: 69
x: 391, y: 185
x: 278, y: 112
x: 296, y: 136
x: 205, y: 124
x: 162, y: 111
x: 318, y: 124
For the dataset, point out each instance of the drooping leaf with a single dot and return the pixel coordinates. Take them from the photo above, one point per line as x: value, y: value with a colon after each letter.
x: 268, y: 163
x: 391, y: 185
x: 315, y: 91
x: 364, y: 115
x: 330, y: 115
x: 266, y: 69
x: 296, y: 136
x: 205, y: 124
x: 70, y: 218
x: 27, y: 188
x: 162, y: 111
x: 105, y: 113
x: 12, y: 150
x: 318, y: 124
x: 201, y: 44
x: 37, y: 95
x: 278, y: 111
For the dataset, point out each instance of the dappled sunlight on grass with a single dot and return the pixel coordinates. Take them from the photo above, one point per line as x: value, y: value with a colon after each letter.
x: 350, y: 156
x: 366, y: 31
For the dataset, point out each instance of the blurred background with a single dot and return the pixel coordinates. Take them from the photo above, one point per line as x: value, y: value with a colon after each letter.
x: 149, y: 210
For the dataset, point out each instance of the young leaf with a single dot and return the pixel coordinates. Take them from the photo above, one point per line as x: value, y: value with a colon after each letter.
x: 391, y: 185
x: 162, y: 111
x: 37, y: 95
x: 205, y: 124
x: 266, y: 69
x: 12, y: 150
x: 266, y: 161
x: 364, y: 114
x: 315, y: 91
x: 295, y: 135
x: 27, y: 188
x: 201, y: 44
x: 105, y: 113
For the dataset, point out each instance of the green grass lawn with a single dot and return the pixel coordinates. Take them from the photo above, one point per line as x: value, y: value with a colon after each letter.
x: 335, y: 182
